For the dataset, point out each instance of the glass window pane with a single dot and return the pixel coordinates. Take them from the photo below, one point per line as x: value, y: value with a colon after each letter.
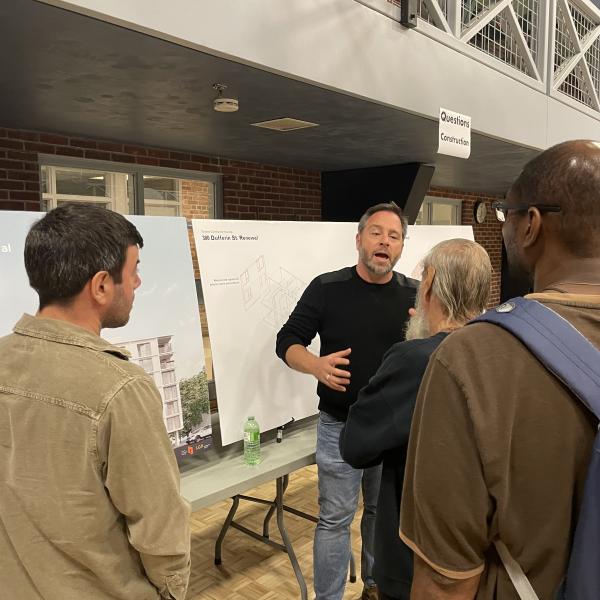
x: 162, y: 196
x: 82, y: 182
x: 443, y: 214
x: 419, y: 220
x: 171, y: 197
x: 103, y: 204
x: 44, y: 180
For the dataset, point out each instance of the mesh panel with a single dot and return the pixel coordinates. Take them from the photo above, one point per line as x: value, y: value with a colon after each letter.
x: 443, y: 4
x: 592, y: 57
x: 497, y: 40
x: 472, y: 8
x: 424, y: 12
x: 563, y: 45
x: 527, y: 14
x: 583, y: 24
x: 574, y: 86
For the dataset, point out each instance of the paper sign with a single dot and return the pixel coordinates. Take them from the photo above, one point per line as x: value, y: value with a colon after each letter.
x: 455, y: 134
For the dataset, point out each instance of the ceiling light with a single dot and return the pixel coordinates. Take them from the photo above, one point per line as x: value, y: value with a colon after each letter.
x: 221, y: 104
x: 285, y: 124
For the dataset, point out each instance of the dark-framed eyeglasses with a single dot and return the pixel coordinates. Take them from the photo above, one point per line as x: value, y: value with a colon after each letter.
x: 501, y: 208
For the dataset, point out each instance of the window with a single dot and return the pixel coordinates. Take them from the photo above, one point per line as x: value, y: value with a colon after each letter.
x: 170, y: 393
x: 172, y: 408
x: 439, y: 211
x: 66, y: 184
x: 147, y: 364
x: 168, y: 378
x: 129, y: 189
x: 144, y: 349
x: 174, y: 424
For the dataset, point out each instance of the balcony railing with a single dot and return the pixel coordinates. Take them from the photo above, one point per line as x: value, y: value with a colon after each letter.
x: 513, y: 34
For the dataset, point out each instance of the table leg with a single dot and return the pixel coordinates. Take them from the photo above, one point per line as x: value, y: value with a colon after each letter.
x: 281, y: 486
x: 219, y: 542
x: 272, y: 509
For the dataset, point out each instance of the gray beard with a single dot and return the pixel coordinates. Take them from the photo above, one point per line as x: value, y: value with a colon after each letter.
x: 417, y: 328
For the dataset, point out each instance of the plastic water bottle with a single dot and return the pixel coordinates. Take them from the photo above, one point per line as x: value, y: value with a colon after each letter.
x: 251, y: 442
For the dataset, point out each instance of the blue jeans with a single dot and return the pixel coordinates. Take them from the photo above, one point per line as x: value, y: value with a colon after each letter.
x: 339, y: 485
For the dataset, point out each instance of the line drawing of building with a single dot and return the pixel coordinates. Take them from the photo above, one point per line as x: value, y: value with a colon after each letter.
x: 155, y: 355
x: 278, y: 297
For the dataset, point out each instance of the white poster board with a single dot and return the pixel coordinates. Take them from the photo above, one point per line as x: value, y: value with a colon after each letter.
x: 163, y: 335
x: 253, y: 273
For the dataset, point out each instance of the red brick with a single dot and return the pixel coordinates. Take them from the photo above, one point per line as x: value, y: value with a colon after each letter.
x: 22, y: 135
x: 32, y: 196
x: 135, y: 150
x: 10, y: 205
x: 97, y: 155
x: 126, y: 158
x: 67, y: 151
x: 110, y: 146
x: 30, y: 156
x: 80, y: 143
x: 192, y: 166
x: 13, y: 144
x: 147, y: 160
x: 158, y: 153
x: 12, y: 185
x: 50, y: 138
x: 23, y: 175
x: 179, y: 155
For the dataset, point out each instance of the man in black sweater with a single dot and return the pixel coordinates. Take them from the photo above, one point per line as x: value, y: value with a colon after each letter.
x: 358, y: 312
x: 454, y: 289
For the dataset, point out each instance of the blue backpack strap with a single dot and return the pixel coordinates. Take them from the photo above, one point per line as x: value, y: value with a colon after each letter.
x: 576, y: 362
x: 556, y: 344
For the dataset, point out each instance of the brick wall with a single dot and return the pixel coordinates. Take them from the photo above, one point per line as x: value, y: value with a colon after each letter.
x: 250, y: 190
x: 488, y: 233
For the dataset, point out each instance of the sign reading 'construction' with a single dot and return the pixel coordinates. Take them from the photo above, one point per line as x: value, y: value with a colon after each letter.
x: 454, y: 134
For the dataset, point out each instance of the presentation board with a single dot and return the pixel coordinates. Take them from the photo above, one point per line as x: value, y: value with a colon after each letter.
x: 253, y: 273
x: 163, y: 335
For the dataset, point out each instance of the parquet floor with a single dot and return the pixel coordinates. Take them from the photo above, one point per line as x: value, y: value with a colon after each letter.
x: 252, y: 570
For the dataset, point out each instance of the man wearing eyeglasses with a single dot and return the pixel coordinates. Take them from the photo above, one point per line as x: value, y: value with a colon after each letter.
x: 499, y: 448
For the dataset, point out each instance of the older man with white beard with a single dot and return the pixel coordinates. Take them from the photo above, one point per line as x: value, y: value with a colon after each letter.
x: 454, y: 289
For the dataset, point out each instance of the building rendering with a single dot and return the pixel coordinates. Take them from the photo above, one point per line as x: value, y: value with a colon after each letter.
x: 155, y: 356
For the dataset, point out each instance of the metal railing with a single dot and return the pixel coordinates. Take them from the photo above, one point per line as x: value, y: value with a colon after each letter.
x: 563, y: 57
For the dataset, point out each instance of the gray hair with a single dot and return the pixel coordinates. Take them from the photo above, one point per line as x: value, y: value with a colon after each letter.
x: 384, y: 207
x: 462, y: 280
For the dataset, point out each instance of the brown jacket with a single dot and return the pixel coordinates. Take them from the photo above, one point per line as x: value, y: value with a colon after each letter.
x: 89, y: 487
x: 499, y: 449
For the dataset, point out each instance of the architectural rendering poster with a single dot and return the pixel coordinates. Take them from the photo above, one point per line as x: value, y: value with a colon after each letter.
x: 163, y: 335
x: 253, y: 273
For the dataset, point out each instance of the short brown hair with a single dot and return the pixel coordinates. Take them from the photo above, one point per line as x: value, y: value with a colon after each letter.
x: 384, y: 207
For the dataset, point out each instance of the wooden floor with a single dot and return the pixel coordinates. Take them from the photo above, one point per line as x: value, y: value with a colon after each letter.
x: 252, y: 570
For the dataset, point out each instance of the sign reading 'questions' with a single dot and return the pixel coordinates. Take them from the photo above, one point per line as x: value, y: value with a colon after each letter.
x: 455, y: 134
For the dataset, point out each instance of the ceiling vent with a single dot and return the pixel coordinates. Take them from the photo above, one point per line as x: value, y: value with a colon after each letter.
x: 285, y: 124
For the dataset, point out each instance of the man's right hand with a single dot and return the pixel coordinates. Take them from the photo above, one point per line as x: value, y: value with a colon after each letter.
x: 327, y: 370
x: 324, y: 368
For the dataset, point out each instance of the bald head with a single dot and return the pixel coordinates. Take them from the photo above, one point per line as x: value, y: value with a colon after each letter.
x: 566, y: 175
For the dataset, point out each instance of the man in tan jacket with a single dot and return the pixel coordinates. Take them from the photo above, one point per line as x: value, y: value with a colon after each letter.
x: 89, y: 487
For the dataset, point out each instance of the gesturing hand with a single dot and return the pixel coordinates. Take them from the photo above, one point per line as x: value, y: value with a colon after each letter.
x: 328, y: 373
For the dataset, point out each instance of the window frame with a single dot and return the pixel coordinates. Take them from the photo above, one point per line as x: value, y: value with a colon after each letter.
x: 429, y: 201
x: 136, y: 204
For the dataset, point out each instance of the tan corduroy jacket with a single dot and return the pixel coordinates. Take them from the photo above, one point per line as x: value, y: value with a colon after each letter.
x: 89, y: 487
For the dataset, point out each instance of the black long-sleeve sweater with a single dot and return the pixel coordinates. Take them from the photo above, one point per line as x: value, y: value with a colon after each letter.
x: 348, y: 312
